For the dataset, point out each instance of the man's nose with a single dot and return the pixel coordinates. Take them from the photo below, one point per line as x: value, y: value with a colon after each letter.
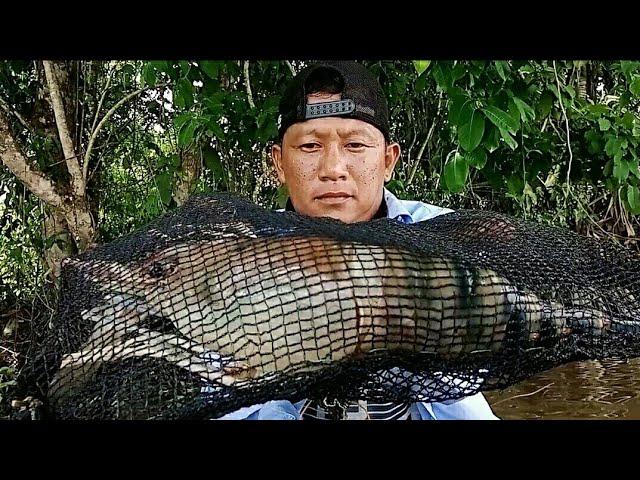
x: 333, y: 165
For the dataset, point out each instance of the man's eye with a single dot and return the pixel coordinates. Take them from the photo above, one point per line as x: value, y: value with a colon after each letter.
x: 310, y: 146
x: 355, y: 145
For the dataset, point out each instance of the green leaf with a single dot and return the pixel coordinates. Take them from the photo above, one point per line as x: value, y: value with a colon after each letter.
x: 527, y: 69
x: 460, y: 110
x: 628, y: 67
x: 634, y: 166
x: 442, y: 75
x: 184, y: 67
x: 271, y: 104
x: 395, y: 186
x: 506, y: 136
x: 186, y: 133
x: 570, y: 90
x: 633, y: 197
x: 594, y: 145
x: 421, y: 83
x: 149, y: 75
x: 184, y: 94
x: 604, y: 123
x: 634, y: 87
x: 492, y: 139
x: 477, y: 158
x: 613, y: 146
x: 181, y: 119
x: 500, y: 67
x: 213, y: 163
x: 457, y: 72
x: 267, y: 130
x: 160, y: 65
x: 515, y: 185
x: 216, y: 130
x: 501, y: 119
x: 163, y: 181
x: 609, y: 146
x: 545, y: 104
x: 597, y: 109
x: 282, y: 195
x: 456, y: 171
x: 620, y: 169
x: 211, y: 68
x: 627, y: 120
x: 525, y: 110
x: 421, y: 65
x: 470, y: 134
x: 514, y: 113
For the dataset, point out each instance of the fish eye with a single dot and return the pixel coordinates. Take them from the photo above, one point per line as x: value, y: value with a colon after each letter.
x: 157, y: 270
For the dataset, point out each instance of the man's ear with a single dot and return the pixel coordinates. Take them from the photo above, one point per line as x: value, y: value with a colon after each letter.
x: 276, y: 158
x: 391, y: 157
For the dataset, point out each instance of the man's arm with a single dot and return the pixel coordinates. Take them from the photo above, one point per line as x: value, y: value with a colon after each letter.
x: 473, y: 407
x: 273, y: 410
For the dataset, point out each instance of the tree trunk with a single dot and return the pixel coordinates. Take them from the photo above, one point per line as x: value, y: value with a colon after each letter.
x: 69, y: 219
x: 80, y: 222
x: 58, y: 242
x: 188, y: 175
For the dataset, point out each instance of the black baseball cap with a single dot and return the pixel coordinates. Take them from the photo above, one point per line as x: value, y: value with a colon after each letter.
x: 362, y: 97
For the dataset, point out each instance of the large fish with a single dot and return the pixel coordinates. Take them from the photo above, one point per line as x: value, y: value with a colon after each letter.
x: 243, y: 308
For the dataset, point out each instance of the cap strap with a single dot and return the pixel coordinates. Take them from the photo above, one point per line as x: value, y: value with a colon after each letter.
x: 326, y: 109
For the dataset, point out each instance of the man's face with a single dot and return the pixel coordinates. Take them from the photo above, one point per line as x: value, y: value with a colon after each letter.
x: 335, y: 167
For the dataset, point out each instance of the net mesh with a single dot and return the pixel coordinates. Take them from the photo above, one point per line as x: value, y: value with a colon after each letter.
x: 223, y: 304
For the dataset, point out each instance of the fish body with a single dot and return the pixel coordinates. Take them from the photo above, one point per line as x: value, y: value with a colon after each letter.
x: 263, y: 306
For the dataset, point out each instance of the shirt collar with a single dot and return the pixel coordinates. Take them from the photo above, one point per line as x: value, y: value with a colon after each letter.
x: 396, y: 209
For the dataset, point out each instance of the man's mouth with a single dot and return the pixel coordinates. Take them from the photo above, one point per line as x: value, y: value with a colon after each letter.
x: 334, y: 197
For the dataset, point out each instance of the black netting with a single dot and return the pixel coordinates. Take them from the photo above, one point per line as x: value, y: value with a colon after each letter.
x: 223, y: 304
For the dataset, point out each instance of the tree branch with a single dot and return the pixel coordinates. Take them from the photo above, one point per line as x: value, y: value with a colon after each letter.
x: 566, y: 122
x: 263, y: 176
x: 425, y: 143
x: 410, y: 149
x: 106, y: 117
x: 247, y: 83
x: 37, y: 182
x: 77, y: 180
x: 293, y: 72
x: 95, y: 119
x: 11, y: 111
x: 420, y: 153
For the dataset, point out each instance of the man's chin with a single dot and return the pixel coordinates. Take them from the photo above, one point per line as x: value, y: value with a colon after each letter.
x: 345, y: 216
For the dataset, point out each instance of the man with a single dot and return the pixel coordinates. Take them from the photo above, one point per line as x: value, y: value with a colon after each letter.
x: 334, y: 156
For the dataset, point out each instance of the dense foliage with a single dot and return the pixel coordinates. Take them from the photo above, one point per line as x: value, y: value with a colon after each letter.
x: 553, y: 141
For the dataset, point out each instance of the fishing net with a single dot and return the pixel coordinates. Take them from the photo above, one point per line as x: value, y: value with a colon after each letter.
x: 223, y: 304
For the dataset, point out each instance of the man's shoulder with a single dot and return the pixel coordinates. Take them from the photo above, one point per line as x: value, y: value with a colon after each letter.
x: 411, y: 211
